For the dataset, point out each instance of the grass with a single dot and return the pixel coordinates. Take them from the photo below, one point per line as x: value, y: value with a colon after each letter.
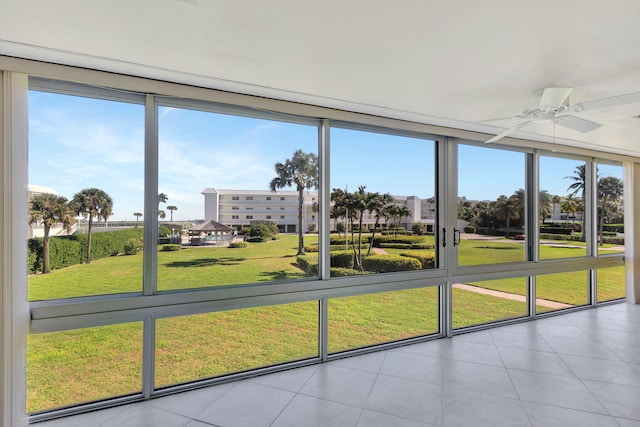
x: 70, y: 367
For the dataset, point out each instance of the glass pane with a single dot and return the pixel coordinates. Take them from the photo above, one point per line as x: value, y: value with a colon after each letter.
x: 491, y: 205
x: 86, y: 182
x: 220, y: 222
x: 611, y: 283
x: 383, y: 211
x: 83, y: 365
x: 562, y: 290
x: 191, y: 348
x: 489, y: 301
x: 610, y: 209
x: 365, y: 320
x: 561, y: 205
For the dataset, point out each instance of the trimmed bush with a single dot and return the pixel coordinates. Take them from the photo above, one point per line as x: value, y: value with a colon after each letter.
x: 470, y: 229
x: 343, y: 272
x: 555, y: 230
x: 164, y: 231
x: 422, y: 246
x: 390, y: 263
x: 427, y: 259
x: 341, y: 259
x: 71, y: 250
x: 411, y: 240
x: 395, y: 245
x: 235, y: 245
x: 308, y: 265
x: 170, y: 248
x: 260, y: 230
x: 311, y: 248
x: 132, y: 246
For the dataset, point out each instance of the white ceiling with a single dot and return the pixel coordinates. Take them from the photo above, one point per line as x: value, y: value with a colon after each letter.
x: 447, y: 62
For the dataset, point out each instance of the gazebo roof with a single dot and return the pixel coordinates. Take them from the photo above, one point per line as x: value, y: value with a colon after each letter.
x: 211, y: 225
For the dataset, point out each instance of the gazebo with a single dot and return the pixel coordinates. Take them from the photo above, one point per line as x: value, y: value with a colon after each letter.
x: 209, y: 231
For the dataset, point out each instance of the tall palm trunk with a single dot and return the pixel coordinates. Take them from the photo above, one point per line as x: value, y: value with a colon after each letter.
x: 46, y: 264
x: 89, y: 240
x: 300, y: 234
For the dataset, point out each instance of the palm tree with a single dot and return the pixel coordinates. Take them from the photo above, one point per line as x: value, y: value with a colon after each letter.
x: 571, y: 205
x: 545, y: 204
x: 137, y: 215
x: 609, y: 193
x: 577, y: 188
x: 162, y: 198
x: 49, y: 209
x: 92, y: 203
x: 172, y: 208
x: 506, y: 209
x: 376, y: 206
x: 300, y: 170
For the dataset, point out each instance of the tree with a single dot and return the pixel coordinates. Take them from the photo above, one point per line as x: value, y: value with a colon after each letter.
x: 609, y: 194
x: 571, y: 206
x: 162, y: 198
x: 377, y: 205
x: 172, y: 208
x: 505, y: 209
x: 137, y: 215
x: 545, y: 204
x: 577, y: 189
x: 48, y: 210
x: 92, y: 203
x: 300, y: 171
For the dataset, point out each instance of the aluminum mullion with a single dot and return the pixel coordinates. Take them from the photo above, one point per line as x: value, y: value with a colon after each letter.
x: 150, y: 264
x: 324, y: 199
x: 148, y: 356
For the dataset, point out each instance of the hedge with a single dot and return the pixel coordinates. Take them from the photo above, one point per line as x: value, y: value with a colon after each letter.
x: 170, y: 248
x: 390, y: 263
x: 427, y: 259
x: 235, y: 245
x: 411, y: 240
x: 343, y: 272
x: 556, y: 230
x: 66, y: 251
x: 307, y: 265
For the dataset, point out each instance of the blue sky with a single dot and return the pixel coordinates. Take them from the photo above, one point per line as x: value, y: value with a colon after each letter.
x: 76, y: 143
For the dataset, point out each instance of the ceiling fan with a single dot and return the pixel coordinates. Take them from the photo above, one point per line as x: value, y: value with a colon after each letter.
x: 554, y: 107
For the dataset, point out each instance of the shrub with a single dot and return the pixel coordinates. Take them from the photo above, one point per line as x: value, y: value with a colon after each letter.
x: 261, y: 231
x: 234, y: 245
x: 419, y: 228
x: 271, y: 225
x: 395, y: 245
x: 390, y: 263
x: 470, y: 229
x: 342, y: 259
x: 422, y: 246
x: 164, y: 231
x: 308, y: 265
x: 311, y: 248
x: 343, y: 272
x: 132, y: 246
x: 427, y: 259
x: 615, y: 228
x: 379, y: 241
x: 555, y: 230
x: 613, y: 240
x: 170, y: 248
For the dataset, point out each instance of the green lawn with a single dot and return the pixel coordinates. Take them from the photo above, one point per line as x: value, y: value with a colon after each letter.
x: 71, y: 367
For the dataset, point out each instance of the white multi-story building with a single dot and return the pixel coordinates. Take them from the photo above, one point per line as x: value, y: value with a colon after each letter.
x: 237, y: 208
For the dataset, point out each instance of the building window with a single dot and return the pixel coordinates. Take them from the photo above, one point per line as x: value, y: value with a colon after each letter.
x: 233, y: 197
x: 249, y: 197
x: 249, y: 208
x: 235, y: 208
x: 249, y: 216
x: 281, y: 216
x: 268, y: 209
x: 268, y: 216
x: 281, y: 209
x: 282, y: 198
x: 268, y: 197
x: 235, y: 217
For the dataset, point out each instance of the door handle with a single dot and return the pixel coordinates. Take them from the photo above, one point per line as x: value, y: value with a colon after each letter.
x: 456, y: 242
x: 444, y: 237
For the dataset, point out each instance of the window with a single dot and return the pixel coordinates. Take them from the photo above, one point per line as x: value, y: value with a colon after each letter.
x: 282, y: 216
x: 268, y: 216
x: 281, y: 198
x: 249, y: 208
x: 561, y: 208
x: 235, y: 216
x: 249, y: 198
x: 268, y: 209
x: 609, y: 209
x: 370, y: 206
x: 282, y: 209
x: 249, y: 217
x: 268, y: 197
x: 234, y: 198
x: 100, y: 154
x: 235, y: 208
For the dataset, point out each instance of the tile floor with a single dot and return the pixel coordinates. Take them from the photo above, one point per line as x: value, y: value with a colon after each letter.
x: 580, y: 369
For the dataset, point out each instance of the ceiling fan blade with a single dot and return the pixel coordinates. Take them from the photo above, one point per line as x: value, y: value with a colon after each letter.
x: 506, y: 133
x: 554, y: 97
x: 613, y: 101
x: 577, y: 123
